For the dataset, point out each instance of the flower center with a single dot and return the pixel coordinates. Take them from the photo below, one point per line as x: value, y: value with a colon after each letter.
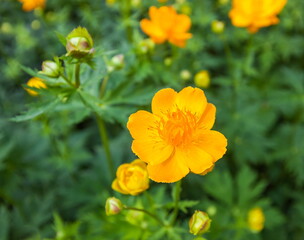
x: 177, y: 127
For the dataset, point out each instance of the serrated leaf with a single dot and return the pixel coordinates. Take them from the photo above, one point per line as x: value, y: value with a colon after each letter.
x: 36, y: 111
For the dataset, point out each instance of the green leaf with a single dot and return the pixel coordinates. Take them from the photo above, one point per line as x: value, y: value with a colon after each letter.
x: 36, y: 110
x: 4, y: 223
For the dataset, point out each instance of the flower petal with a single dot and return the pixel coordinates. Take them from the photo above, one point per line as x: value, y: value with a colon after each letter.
x: 115, y: 186
x: 153, y: 30
x: 163, y: 101
x: 152, y: 150
x: 214, y: 143
x: 169, y: 171
x: 141, y: 124
x: 208, y: 118
x: 193, y: 100
x: 197, y: 159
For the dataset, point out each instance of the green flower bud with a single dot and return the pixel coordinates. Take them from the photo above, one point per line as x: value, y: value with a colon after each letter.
x: 145, y: 46
x: 217, y: 26
x: 51, y: 68
x: 185, y: 75
x: 116, y: 63
x: 113, y: 206
x: 79, y: 43
x: 199, y: 223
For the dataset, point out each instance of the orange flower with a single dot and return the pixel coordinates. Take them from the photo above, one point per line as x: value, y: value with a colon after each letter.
x: 29, y: 5
x: 255, y: 14
x: 167, y: 25
x: 132, y: 178
x: 176, y: 137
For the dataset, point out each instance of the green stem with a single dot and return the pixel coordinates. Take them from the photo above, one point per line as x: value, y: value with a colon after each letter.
x: 103, y: 86
x: 178, y: 189
x: 126, y: 12
x: 67, y: 80
x: 105, y: 143
x: 77, y: 75
x: 146, y: 212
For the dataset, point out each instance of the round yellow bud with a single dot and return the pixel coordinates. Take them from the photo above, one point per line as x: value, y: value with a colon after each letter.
x: 199, y: 223
x: 202, y: 79
x: 256, y: 219
x: 132, y: 178
x: 35, y: 83
x: 217, y: 26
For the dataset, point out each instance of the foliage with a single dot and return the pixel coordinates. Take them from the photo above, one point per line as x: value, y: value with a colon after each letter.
x: 54, y: 176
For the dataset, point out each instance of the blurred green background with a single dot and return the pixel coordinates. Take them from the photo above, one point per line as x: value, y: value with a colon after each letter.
x: 53, y: 175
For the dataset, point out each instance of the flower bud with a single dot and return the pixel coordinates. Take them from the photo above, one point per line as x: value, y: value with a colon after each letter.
x: 116, y: 63
x: 79, y: 43
x: 145, y: 46
x: 217, y: 26
x: 202, y: 79
x: 113, y: 206
x: 110, y: 2
x: 185, y: 75
x: 256, y: 219
x: 223, y: 2
x: 135, y: 3
x: 199, y: 223
x: 168, y: 61
x: 51, y: 69
x: 35, y: 82
x: 132, y: 178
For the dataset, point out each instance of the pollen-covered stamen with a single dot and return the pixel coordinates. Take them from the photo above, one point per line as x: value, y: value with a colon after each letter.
x: 177, y: 127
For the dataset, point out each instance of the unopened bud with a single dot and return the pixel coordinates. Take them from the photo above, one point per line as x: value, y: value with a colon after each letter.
x: 168, y: 61
x: 202, y: 79
x: 199, y: 223
x: 256, y: 219
x: 35, y: 82
x: 50, y: 69
x: 79, y: 43
x: 145, y: 46
x: 217, y: 26
x: 185, y: 75
x: 223, y: 2
x: 113, y: 206
x: 135, y: 3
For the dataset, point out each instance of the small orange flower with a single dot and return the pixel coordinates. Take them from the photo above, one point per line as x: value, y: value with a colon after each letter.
x: 29, y: 5
x: 176, y: 137
x: 35, y: 82
x: 255, y: 14
x: 167, y: 25
x: 132, y: 178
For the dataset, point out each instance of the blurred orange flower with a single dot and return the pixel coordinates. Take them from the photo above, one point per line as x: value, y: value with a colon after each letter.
x: 167, y: 25
x: 132, y: 178
x: 29, y: 5
x: 176, y: 137
x: 255, y: 14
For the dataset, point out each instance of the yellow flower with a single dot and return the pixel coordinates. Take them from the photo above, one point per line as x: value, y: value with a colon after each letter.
x: 256, y: 219
x: 255, y: 14
x: 29, y: 5
x: 35, y: 83
x: 176, y: 137
x: 202, y: 79
x: 167, y: 25
x: 132, y: 178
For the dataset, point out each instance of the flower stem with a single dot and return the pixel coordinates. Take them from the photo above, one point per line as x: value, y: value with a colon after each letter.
x: 146, y: 212
x: 105, y: 143
x: 77, y: 75
x: 103, y: 86
x: 176, y: 195
x: 67, y: 80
